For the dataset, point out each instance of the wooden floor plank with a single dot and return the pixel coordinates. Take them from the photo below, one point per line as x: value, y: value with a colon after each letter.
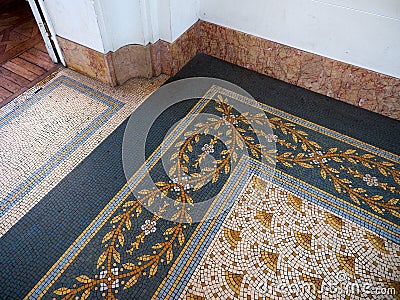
x: 19, y: 70
x: 4, y: 94
x: 19, y: 48
x: 39, y: 53
x: 28, y: 66
x: 37, y: 61
x: 41, y: 46
x: 22, y: 81
x: 9, y: 85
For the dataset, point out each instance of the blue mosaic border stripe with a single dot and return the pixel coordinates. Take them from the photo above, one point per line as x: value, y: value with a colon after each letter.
x: 38, y: 175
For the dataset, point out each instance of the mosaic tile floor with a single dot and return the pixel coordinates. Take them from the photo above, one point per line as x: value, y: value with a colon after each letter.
x: 302, y: 211
x: 49, y: 129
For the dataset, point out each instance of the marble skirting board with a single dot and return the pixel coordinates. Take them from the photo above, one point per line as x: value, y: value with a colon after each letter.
x: 342, y: 81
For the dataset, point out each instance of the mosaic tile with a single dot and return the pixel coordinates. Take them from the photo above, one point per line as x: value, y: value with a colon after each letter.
x: 304, y: 253
x: 307, y: 223
x: 59, y: 122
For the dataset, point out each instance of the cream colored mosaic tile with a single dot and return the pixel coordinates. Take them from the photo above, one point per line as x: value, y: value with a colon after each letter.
x: 274, y: 245
x: 39, y: 132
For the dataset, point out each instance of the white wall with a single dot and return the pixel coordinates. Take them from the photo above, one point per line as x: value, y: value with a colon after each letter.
x: 76, y: 20
x: 365, y: 33
x: 107, y: 25
x: 184, y: 13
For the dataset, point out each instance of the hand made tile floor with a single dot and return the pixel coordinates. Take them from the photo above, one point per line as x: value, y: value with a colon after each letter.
x: 38, y: 124
x: 323, y: 224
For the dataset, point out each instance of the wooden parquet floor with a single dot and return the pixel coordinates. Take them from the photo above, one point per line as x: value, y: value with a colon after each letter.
x: 23, y: 56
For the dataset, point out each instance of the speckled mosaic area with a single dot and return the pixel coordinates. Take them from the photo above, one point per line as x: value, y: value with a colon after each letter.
x: 275, y: 244
x: 46, y: 131
x: 314, y: 217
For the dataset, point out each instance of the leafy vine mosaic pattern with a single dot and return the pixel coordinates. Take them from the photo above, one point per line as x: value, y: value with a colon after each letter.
x: 136, y: 245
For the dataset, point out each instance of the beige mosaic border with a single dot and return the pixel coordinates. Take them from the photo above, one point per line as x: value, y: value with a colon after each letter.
x: 132, y: 94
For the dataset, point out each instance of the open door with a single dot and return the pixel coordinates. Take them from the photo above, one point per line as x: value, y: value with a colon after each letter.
x: 46, y: 30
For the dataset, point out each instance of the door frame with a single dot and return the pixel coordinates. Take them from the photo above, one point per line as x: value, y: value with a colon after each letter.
x: 47, y: 30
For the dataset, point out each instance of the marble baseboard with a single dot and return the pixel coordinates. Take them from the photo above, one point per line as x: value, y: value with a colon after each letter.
x: 88, y: 61
x: 169, y: 58
x: 351, y: 84
x: 115, y: 68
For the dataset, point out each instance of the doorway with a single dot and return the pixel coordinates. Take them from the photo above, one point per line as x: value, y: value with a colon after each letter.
x: 24, y: 59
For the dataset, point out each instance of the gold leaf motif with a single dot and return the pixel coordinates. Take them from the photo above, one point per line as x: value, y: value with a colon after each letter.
x: 85, y: 294
x: 332, y: 150
x: 169, y: 231
x: 172, y: 170
x: 181, y: 238
x: 295, y: 202
x: 303, y: 239
x: 169, y: 256
x: 62, y: 291
x: 232, y: 237
x: 383, y: 171
x: 377, y: 242
x: 354, y: 198
x: 337, y: 187
x: 83, y: 279
x: 130, y: 266
x: 260, y: 184
x: 234, y: 281
x: 116, y: 219
x: 188, y: 218
x: 215, y: 178
x: 323, y: 173
x: 304, y: 165
x: 347, y: 263
x: 264, y: 217
x: 131, y: 282
x: 158, y: 246
x: 287, y: 164
x: 145, y: 257
x: 350, y: 151
x: 129, y: 203
x: 107, y: 236
x: 101, y: 259
x: 153, y: 270
x: 128, y: 224
x: 117, y: 256
x: 336, y: 222
x: 270, y: 259
x: 121, y: 239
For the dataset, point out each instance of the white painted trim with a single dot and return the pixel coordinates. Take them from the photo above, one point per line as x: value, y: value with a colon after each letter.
x: 45, y: 34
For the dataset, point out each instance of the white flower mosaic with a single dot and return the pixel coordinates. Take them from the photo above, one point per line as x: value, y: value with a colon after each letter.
x: 149, y: 227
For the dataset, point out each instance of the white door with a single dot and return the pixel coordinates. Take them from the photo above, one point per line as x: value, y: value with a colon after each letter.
x: 46, y: 29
